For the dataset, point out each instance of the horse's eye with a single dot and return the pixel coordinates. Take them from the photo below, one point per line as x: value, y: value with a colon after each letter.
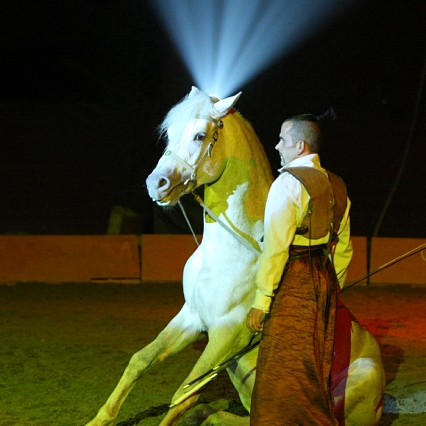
x: 200, y: 137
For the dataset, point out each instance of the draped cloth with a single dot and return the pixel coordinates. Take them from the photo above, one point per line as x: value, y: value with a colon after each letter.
x: 293, y: 378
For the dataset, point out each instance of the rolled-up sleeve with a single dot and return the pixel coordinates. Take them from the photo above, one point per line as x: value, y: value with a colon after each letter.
x: 343, y: 251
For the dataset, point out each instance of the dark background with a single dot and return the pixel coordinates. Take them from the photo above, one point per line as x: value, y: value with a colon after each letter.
x: 83, y: 85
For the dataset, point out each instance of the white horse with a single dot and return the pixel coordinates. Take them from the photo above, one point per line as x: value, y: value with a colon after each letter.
x: 211, y: 144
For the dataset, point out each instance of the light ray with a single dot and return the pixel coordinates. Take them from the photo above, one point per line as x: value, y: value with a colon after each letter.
x: 226, y: 43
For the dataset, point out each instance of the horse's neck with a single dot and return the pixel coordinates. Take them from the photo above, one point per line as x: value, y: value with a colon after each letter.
x: 238, y: 197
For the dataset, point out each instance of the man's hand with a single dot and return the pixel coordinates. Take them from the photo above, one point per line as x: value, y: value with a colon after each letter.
x: 255, y: 320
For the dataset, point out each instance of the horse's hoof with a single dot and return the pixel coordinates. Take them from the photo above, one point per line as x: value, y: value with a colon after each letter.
x: 223, y: 418
x: 197, y: 415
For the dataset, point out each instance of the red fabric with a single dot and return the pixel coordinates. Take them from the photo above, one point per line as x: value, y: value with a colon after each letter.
x: 341, y: 358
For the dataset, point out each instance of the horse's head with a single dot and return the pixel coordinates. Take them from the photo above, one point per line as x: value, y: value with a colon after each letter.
x: 195, y: 154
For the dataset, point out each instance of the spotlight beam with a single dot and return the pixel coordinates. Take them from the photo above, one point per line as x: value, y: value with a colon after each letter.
x: 226, y: 43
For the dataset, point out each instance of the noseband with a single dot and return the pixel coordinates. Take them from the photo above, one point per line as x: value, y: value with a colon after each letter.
x: 207, y: 153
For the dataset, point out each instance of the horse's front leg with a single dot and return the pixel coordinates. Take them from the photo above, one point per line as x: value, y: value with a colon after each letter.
x: 225, y: 341
x: 180, y: 332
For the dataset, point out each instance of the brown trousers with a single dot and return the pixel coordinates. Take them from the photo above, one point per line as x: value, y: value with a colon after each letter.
x: 293, y: 378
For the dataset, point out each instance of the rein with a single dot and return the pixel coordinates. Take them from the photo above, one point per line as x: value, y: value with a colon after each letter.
x: 241, y: 239
x: 210, y: 212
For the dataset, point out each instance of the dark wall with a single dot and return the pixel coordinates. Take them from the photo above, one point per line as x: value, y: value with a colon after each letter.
x: 83, y: 87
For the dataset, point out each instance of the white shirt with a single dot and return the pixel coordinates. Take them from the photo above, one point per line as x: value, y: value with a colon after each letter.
x: 286, y: 207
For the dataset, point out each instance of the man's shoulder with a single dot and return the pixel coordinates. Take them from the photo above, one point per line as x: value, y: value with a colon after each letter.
x: 285, y: 180
x: 307, y: 172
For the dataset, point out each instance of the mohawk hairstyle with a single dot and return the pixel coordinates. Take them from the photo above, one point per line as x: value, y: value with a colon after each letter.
x: 307, y: 127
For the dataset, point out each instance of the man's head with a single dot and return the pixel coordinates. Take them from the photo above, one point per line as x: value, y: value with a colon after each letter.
x: 300, y: 135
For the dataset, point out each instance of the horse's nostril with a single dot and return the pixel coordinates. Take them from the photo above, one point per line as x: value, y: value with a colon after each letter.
x: 162, y: 182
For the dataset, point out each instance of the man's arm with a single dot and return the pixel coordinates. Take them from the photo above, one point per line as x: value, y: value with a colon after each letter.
x: 281, y: 214
x: 343, y: 251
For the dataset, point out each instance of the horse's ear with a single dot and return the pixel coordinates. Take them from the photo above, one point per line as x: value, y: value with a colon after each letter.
x: 194, y: 91
x: 224, y: 105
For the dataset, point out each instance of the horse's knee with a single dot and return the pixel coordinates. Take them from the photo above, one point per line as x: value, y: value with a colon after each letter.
x: 198, y: 415
x: 223, y: 418
x: 364, y: 392
x: 138, y: 364
x: 366, y: 375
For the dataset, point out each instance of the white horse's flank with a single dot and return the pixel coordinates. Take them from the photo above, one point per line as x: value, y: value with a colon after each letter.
x: 210, y: 144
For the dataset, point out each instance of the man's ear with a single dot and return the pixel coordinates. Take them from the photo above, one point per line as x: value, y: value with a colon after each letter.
x: 305, y: 147
x: 302, y: 147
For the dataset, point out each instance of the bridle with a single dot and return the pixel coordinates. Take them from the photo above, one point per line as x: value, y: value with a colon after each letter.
x: 207, y: 153
x: 193, y: 180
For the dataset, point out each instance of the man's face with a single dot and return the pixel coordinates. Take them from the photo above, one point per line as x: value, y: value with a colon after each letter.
x: 286, y: 146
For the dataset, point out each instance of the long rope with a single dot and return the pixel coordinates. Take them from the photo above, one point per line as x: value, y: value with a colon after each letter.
x: 386, y: 265
x: 202, y: 380
x: 189, y: 223
x: 241, y: 239
x: 246, y: 243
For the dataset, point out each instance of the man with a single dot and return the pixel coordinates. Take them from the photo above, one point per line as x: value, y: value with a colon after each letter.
x: 307, y: 227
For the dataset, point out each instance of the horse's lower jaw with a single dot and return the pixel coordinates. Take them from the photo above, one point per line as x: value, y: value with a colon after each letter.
x: 167, y: 201
x: 164, y: 203
x: 172, y: 198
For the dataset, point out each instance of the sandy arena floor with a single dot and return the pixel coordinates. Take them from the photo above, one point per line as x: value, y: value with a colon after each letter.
x: 64, y: 347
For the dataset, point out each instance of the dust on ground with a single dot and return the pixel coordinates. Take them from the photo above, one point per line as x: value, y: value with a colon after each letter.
x: 64, y: 347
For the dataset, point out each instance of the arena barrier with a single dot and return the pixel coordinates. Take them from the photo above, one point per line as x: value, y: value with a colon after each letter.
x: 69, y: 258
x: 143, y: 258
x: 411, y: 270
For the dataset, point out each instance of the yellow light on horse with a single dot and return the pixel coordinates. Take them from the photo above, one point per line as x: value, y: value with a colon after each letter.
x: 219, y: 277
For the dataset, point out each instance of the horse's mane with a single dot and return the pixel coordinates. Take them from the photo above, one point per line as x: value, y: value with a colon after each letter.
x: 179, y: 116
